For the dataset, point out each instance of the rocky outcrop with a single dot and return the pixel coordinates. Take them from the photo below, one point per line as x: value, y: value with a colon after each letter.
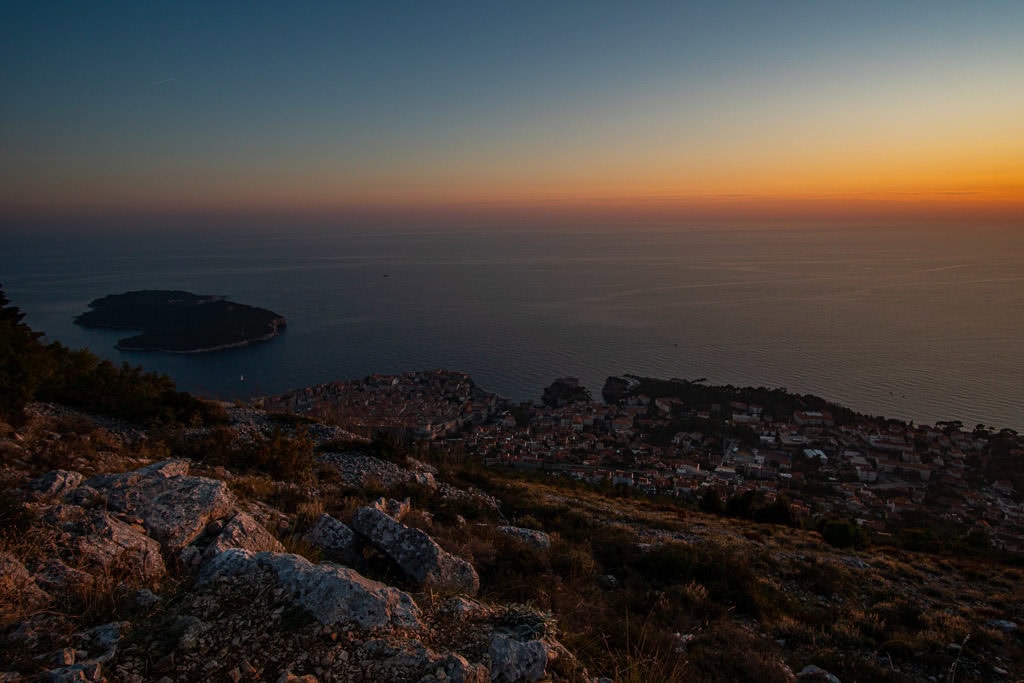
x: 532, y: 537
x: 615, y: 389
x: 108, y: 547
x: 332, y: 594
x: 254, y: 612
x: 55, y: 484
x: 564, y: 391
x: 334, y: 539
x: 419, y: 557
x: 244, y: 532
x: 357, y: 469
x: 174, y: 507
x: 514, y: 661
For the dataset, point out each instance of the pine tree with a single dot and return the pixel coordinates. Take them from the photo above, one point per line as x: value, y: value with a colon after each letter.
x: 24, y: 363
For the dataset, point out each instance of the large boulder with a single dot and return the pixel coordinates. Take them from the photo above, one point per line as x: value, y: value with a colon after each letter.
x: 421, y: 559
x: 244, y: 532
x: 174, y: 507
x: 332, y: 594
x: 334, y: 539
x: 514, y: 661
x: 96, y: 545
x: 105, y: 546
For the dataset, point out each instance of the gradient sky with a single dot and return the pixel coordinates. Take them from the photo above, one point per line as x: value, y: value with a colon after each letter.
x: 654, y: 111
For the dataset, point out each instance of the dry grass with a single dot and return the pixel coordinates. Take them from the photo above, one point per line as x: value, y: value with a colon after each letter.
x: 737, y: 587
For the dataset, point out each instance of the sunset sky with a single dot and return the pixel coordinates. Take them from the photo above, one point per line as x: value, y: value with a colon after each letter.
x: 654, y: 111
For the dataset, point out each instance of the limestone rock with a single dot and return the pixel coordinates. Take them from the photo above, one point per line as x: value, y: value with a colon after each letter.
x: 513, y: 661
x: 415, y: 553
x: 817, y: 674
x: 84, y: 495
x: 174, y: 507
x: 55, y: 576
x: 244, y: 532
x: 532, y: 537
x: 332, y: 594
x: 19, y: 593
x: 458, y: 670
x: 55, y: 484
x: 107, y: 546
x: 334, y: 538
x: 410, y: 660
x: 62, y: 515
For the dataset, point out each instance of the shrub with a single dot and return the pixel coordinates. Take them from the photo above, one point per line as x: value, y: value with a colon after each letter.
x: 842, y: 534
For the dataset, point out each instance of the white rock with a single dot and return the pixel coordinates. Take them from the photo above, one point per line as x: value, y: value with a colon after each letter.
x: 418, y: 555
x: 174, y: 508
x: 244, y: 532
x: 537, y: 539
x: 18, y: 588
x: 332, y: 594
x: 334, y: 538
x: 106, y: 546
x: 55, y: 484
x: 513, y: 661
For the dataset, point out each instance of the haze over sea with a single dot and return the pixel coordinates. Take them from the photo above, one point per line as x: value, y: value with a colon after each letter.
x: 912, y: 323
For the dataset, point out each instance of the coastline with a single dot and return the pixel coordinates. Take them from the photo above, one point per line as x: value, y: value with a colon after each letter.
x: 176, y: 321
x: 223, y: 347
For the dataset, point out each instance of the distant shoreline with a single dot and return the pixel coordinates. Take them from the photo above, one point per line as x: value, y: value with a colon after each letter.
x: 222, y: 347
x: 180, y: 322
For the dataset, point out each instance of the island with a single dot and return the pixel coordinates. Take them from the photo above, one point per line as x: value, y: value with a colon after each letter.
x: 176, y: 321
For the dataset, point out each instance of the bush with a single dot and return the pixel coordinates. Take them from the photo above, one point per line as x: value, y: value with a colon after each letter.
x: 24, y: 363
x: 31, y: 370
x: 842, y: 534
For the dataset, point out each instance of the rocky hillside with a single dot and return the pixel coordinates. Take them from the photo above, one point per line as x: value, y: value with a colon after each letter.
x: 199, y: 588
x: 276, y: 549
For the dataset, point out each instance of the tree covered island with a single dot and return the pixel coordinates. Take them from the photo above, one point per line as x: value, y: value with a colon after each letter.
x: 181, y: 322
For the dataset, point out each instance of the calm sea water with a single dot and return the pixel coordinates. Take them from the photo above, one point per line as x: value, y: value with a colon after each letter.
x: 915, y: 324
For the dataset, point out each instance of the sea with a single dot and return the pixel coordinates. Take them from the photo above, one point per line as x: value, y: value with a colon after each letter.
x: 916, y: 323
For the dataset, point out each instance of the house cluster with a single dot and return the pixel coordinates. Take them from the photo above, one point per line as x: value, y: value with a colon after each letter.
x: 875, y: 471
x: 428, y: 404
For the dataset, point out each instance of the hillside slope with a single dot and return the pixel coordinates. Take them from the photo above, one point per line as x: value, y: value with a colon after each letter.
x: 274, y: 546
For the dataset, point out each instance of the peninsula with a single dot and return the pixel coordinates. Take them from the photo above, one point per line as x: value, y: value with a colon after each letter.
x: 176, y: 321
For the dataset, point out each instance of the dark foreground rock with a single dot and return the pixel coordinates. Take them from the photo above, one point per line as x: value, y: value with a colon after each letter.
x: 422, y: 560
x: 335, y: 540
x: 333, y: 595
x: 175, y: 508
x: 199, y: 589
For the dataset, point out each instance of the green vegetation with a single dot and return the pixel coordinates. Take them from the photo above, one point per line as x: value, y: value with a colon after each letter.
x: 774, y: 401
x: 180, y: 322
x: 842, y: 533
x: 638, y: 589
x: 280, y: 455
x: 31, y: 370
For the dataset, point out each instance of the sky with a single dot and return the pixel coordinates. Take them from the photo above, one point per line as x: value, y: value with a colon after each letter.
x: 514, y: 111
